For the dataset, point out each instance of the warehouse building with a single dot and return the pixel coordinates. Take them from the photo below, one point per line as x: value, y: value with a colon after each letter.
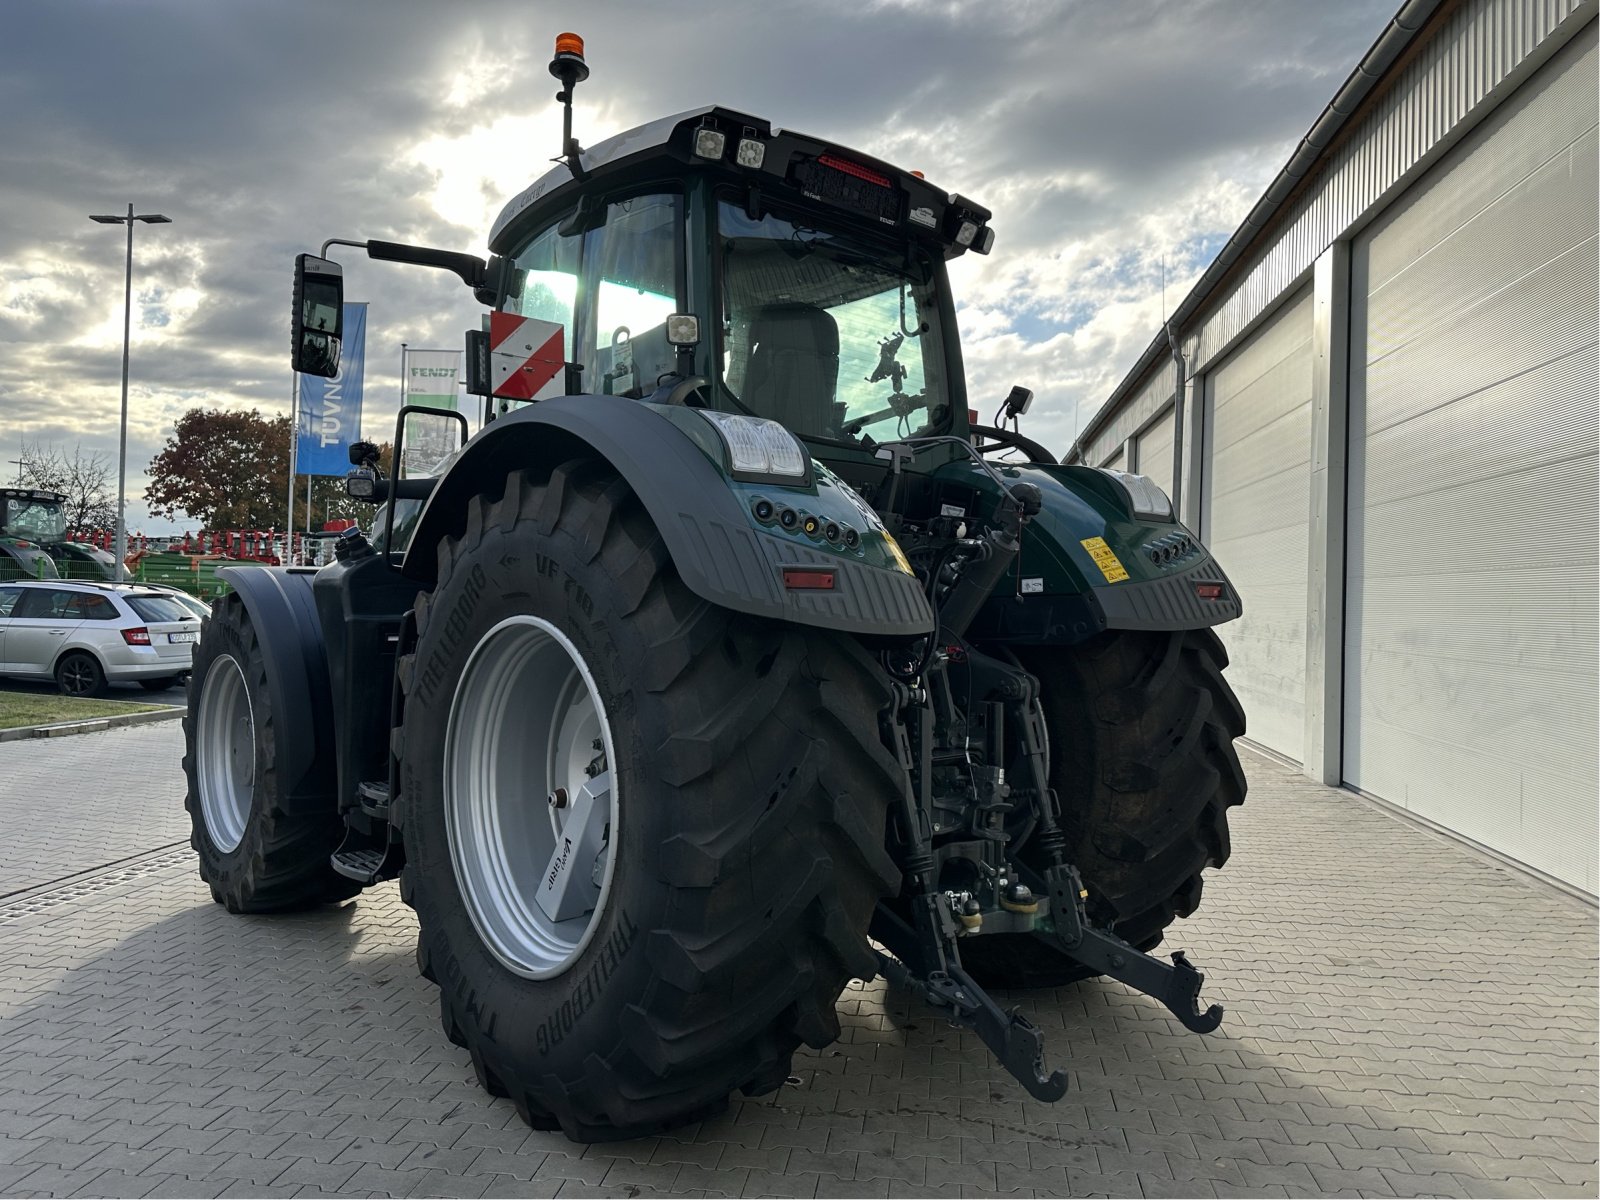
x: 1378, y: 407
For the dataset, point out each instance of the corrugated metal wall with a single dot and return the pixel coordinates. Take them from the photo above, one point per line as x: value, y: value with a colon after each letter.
x: 1481, y: 45
x: 1424, y: 107
x: 1472, y: 617
x: 1256, y: 504
x: 1153, y: 454
x: 1155, y: 392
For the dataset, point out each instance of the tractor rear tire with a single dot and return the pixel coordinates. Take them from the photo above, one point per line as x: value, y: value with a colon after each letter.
x: 260, y: 849
x: 751, y: 795
x: 1141, y: 729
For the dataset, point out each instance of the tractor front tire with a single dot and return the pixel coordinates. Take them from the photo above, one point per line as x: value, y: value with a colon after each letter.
x: 1141, y: 729
x: 733, y: 892
x: 261, y: 849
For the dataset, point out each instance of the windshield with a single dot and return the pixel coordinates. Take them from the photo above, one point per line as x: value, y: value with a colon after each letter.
x: 833, y: 337
x: 41, y: 520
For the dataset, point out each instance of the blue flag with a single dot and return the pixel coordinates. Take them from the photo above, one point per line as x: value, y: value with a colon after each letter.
x: 330, y: 409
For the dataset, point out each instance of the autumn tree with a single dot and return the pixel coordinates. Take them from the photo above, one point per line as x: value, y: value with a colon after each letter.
x: 228, y: 469
x: 84, y: 479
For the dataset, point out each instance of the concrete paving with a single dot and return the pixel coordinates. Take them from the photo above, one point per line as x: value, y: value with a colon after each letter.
x: 71, y: 806
x: 1405, y: 1019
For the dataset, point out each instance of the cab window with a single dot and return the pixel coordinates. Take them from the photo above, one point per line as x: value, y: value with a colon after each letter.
x: 611, y: 288
x: 545, y: 285
x: 630, y: 272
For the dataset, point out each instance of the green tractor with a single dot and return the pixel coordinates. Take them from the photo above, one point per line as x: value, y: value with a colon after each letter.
x: 732, y: 659
x: 33, y: 540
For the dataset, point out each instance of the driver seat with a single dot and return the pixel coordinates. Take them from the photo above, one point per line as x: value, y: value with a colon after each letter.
x: 793, y: 374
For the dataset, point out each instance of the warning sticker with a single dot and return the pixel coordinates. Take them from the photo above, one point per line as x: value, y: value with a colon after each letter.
x: 1106, y: 559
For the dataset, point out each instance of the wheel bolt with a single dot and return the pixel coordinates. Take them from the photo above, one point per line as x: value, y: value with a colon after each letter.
x: 558, y: 798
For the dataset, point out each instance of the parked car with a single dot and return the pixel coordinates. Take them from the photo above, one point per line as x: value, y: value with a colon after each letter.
x: 200, y: 608
x: 86, y: 635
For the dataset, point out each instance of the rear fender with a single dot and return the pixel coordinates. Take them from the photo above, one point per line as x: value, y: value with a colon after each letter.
x: 283, y: 614
x: 1089, y: 562
x: 673, y: 460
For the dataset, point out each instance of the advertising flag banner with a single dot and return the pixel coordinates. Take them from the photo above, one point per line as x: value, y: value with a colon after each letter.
x: 330, y: 409
x: 432, y: 377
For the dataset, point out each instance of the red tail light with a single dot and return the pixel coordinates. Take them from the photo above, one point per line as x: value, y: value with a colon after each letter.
x: 807, y: 579
x: 137, y: 636
x: 1208, y: 591
x: 853, y: 168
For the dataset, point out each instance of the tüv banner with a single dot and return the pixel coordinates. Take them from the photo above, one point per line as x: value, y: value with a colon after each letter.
x: 330, y: 409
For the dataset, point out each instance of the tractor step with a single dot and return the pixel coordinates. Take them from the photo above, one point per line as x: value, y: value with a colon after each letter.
x: 374, y: 799
x: 364, y: 866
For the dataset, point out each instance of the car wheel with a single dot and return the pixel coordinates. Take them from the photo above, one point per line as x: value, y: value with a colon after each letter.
x: 79, y: 674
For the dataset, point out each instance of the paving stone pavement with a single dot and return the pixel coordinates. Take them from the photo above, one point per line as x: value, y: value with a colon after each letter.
x: 1404, y: 1019
x: 70, y: 805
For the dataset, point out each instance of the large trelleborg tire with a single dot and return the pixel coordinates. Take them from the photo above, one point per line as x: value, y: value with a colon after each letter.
x: 751, y: 793
x: 261, y: 849
x: 1141, y: 730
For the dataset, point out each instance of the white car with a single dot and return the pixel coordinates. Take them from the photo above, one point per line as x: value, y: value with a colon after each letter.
x: 86, y: 635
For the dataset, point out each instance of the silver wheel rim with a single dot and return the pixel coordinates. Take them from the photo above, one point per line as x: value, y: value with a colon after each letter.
x: 226, y: 753
x: 526, y: 721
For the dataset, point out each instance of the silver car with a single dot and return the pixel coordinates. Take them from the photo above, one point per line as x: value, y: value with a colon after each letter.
x: 87, y: 635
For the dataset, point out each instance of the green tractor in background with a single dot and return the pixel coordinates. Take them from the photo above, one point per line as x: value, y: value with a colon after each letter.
x: 732, y: 659
x: 33, y: 540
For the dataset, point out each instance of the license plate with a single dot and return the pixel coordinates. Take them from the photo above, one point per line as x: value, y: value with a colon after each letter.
x: 183, y: 637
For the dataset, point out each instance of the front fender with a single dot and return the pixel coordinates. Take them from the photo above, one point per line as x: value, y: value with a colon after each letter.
x: 671, y: 458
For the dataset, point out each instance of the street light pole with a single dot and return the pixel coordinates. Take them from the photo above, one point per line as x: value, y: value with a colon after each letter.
x: 127, y: 331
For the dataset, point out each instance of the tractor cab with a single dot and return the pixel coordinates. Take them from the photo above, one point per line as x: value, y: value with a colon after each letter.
x: 33, y: 539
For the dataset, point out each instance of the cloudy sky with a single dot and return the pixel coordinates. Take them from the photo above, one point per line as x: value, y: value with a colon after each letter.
x: 1106, y: 135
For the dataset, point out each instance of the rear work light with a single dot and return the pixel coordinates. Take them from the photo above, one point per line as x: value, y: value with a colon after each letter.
x: 856, y: 169
x: 807, y: 579
x: 137, y: 636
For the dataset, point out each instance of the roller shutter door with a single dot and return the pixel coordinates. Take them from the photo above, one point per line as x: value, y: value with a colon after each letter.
x: 1471, y: 619
x: 1155, y: 452
x: 1256, y: 508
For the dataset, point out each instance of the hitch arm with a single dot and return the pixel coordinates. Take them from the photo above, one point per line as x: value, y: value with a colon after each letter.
x: 1176, y: 985
x: 1014, y: 1040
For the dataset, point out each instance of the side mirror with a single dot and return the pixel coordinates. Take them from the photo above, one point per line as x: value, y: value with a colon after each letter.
x: 1018, y: 402
x: 317, y: 327
x: 427, y: 437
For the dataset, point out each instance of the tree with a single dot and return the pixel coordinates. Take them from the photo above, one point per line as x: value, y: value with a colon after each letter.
x: 84, y: 479
x: 227, y: 469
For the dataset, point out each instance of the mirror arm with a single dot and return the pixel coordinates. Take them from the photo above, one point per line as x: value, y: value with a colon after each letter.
x: 471, y: 269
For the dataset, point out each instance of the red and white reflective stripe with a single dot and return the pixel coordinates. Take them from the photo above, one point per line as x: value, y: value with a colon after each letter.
x: 526, y: 356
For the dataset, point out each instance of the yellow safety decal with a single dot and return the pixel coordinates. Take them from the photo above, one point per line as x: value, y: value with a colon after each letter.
x: 896, y: 553
x: 1106, y: 559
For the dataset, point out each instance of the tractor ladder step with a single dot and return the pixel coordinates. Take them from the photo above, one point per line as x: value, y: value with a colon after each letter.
x: 364, y: 866
x: 374, y: 799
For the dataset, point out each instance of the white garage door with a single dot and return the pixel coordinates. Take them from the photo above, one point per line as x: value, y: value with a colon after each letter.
x: 1155, y: 452
x: 1470, y: 656
x: 1256, y: 502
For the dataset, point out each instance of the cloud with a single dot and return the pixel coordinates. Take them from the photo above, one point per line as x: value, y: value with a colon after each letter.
x: 1110, y: 140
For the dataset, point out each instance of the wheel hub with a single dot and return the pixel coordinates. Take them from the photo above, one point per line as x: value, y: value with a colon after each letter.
x: 527, y: 728
x: 225, y: 753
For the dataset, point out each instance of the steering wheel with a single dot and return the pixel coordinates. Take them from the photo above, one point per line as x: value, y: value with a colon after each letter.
x: 1007, y: 439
